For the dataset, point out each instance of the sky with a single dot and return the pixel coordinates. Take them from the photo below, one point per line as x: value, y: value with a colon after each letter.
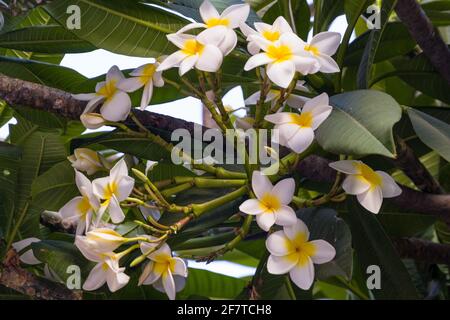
x: 98, y: 62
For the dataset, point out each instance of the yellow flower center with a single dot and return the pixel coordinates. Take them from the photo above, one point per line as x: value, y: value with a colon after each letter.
x: 110, y: 190
x: 108, y: 90
x: 84, y: 206
x: 301, y: 249
x: 164, y: 262
x: 147, y: 73
x: 305, y: 119
x: 270, y: 202
x: 271, y: 35
x: 217, y: 22
x: 279, y: 53
x: 105, y: 266
x: 192, y: 47
x: 314, y: 50
x: 368, y: 175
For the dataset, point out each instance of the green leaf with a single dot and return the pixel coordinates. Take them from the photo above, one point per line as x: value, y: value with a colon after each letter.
x: 325, y: 13
x: 45, y: 39
x: 324, y: 224
x: 365, y: 118
x: 373, y: 43
x: 55, y: 187
x: 374, y: 247
x: 405, y: 224
x: 210, y: 284
x: 433, y: 132
x: 438, y: 12
x: 41, y: 118
x: 130, y: 28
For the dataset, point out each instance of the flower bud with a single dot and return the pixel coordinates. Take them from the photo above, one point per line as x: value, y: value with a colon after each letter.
x: 86, y: 160
x: 92, y: 120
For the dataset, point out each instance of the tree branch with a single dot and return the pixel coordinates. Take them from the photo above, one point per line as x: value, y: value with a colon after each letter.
x: 19, y: 7
x: 421, y: 29
x: 20, y: 280
x: 422, y: 250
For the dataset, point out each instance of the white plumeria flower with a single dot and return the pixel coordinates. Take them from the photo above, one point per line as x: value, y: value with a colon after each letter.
x: 296, y: 131
x: 292, y: 100
x: 99, y: 240
x: 165, y: 272
x: 322, y: 46
x: 269, y: 32
x: 290, y: 251
x: 26, y: 257
x: 220, y: 24
x: 107, y: 270
x: 203, y: 55
x: 116, y: 103
x: 271, y: 205
x: 369, y: 186
x: 92, y: 120
x: 283, y: 58
x: 114, y: 189
x: 145, y: 76
x: 80, y: 209
x: 87, y: 160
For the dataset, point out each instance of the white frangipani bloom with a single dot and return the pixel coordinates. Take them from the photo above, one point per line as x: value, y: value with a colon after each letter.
x: 369, y: 186
x: 322, y: 46
x: 292, y: 100
x: 269, y: 32
x: 87, y: 160
x: 202, y: 54
x: 114, y: 189
x: 283, y: 58
x: 296, y: 131
x: 80, y: 209
x: 116, y: 103
x: 271, y: 205
x: 165, y: 272
x: 290, y: 251
x: 92, y: 120
x: 220, y: 24
x: 99, y: 240
x: 145, y: 76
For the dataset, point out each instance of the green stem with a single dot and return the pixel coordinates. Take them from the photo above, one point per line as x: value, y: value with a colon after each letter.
x: 199, y: 209
x: 289, y: 287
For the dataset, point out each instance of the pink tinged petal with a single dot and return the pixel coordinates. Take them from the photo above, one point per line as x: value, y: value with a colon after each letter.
x: 260, y: 184
x: 266, y: 220
x: 140, y: 70
x: 92, y: 104
x: 285, y: 216
x: 180, y: 282
x: 148, y: 276
x: 210, y: 59
x: 81, y: 227
x: 346, y: 166
x: 96, y: 278
x: 326, y: 42
x: 281, y: 25
x: 172, y: 61
x: 116, y: 280
x: 125, y: 187
x: 236, y: 14
x: 253, y: 99
x: 179, y: 267
x: 299, y: 228
x: 187, y: 64
x: 114, y: 74
x: 117, y: 108
x: 99, y: 185
x: 161, y: 254
x: 389, y: 187
x: 146, y: 95
x: 257, y: 60
x: 316, y: 102
x: 190, y: 26
x: 213, y: 36
x: 115, y: 211
x: 296, y: 101
x: 284, y: 190
x: 355, y: 185
x: 327, y: 64
x: 252, y: 207
x: 279, y: 118
x: 281, y: 264
x: 207, y: 11
x: 306, y: 65
x: 279, y: 244
x: 84, y: 96
x: 99, y: 85
x: 246, y: 29
x: 70, y: 209
x: 130, y: 84
x: 372, y: 199
x: 281, y: 73
x: 169, y: 285
x: 303, y: 274
x: 82, y: 182
x: 301, y: 140
x: 158, y: 80
x: 324, y: 252
x: 321, y: 117
x: 229, y: 42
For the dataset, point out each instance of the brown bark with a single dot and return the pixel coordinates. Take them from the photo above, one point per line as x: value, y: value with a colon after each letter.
x: 422, y: 250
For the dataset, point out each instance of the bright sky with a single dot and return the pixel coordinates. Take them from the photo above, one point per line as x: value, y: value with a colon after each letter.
x: 98, y: 62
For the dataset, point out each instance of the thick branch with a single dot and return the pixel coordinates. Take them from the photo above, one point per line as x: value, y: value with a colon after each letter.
x: 428, y: 38
x: 20, y: 280
x: 422, y: 250
x: 316, y: 168
x: 19, y: 7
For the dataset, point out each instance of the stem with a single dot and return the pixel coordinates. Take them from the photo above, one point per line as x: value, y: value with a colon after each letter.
x: 265, y: 88
x: 289, y: 287
x: 199, y: 209
x: 120, y: 255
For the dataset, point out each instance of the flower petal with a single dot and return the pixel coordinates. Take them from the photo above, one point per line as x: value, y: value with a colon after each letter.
x: 355, y: 185
x: 210, y: 59
x: 148, y: 276
x: 114, y: 74
x: 302, y: 139
x: 389, y: 187
x: 326, y: 42
x: 285, y: 216
x: 70, y: 210
x: 84, y: 96
x: 303, y: 274
x: 169, y: 285
x: 327, y: 64
x: 346, y: 166
x: 257, y: 60
x: 207, y: 11
x: 179, y: 267
x: 372, y: 199
x: 252, y: 207
x: 117, y: 108
x: 281, y: 73
x: 213, y: 36
x: 284, y: 190
x: 125, y: 187
x: 119, y: 170
x: 281, y: 25
x: 324, y: 252
x: 265, y: 220
x: 281, y: 264
x: 236, y: 14
x: 279, y: 244
x: 116, y: 280
x: 299, y: 229
x: 306, y: 65
x: 130, y: 84
x: 279, y: 118
x: 260, y: 184
x: 146, y: 95
x: 172, y: 61
x: 96, y: 278
x: 115, y: 211
x: 27, y: 257
x: 180, y: 282
x: 229, y: 42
